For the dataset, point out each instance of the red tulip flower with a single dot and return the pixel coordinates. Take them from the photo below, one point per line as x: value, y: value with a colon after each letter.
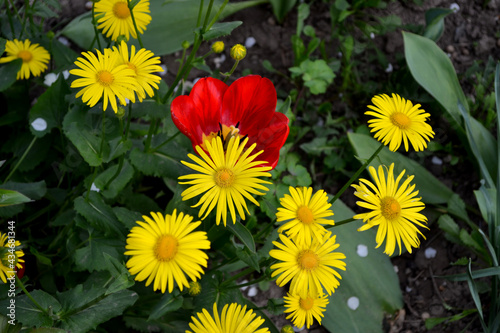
x: 246, y: 108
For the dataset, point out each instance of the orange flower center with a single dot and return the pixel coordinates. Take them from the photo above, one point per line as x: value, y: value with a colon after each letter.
x: 225, y: 133
x: 308, y: 260
x: 166, y: 248
x: 25, y: 55
x: 224, y: 178
x: 305, y: 215
x: 306, y: 303
x: 400, y: 120
x: 390, y: 208
x: 105, y: 78
x: 121, y: 11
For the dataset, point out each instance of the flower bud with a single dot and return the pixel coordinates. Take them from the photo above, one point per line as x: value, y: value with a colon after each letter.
x: 194, y: 288
x: 120, y: 112
x: 185, y: 45
x: 287, y: 329
x: 238, y: 52
x: 218, y: 47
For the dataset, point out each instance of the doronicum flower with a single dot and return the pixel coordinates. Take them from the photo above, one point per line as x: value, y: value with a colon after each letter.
x: 398, y: 120
x: 304, y: 310
x: 10, y: 257
x: 305, y: 213
x: 226, y: 178
x: 238, y: 52
x: 395, y: 209
x: 218, y: 47
x: 166, y: 249
x: 102, y: 78
x: 310, y: 266
x: 143, y: 63
x: 233, y: 319
x: 247, y: 108
x: 35, y: 57
x: 115, y: 19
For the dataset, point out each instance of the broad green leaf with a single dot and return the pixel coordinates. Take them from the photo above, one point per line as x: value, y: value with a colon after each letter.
x: 317, y: 146
x: 50, y: 107
x: 42, y: 259
x: 456, y: 206
x: 92, y: 256
x: 434, y: 20
x: 3, y: 41
x: 8, y: 73
x: 85, y: 306
x: 122, y: 278
x: 47, y: 330
x: 428, y: 186
x: 450, y: 227
x: 99, y: 214
x: 221, y: 29
x: 169, y: 302
x: 211, y: 293
x: 9, y: 325
x: 150, y: 107
x: 433, y: 70
x: 119, y: 179
x: 8, y: 197
x: 249, y: 258
x: 281, y: 8
x: 371, y: 279
x: 479, y: 273
x: 30, y: 315
x: 64, y: 57
x: 34, y: 191
x: 317, y: 75
x: 127, y: 217
x: 486, y: 199
x: 240, y: 231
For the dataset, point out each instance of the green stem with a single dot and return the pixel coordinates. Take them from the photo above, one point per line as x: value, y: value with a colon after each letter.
x: 96, y: 32
x: 21, y: 285
x: 9, y: 15
x: 356, y: 175
x: 232, y: 70
x: 207, y: 15
x: 25, y: 19
x: 135, y: 25
x: 200, y: 11
x: 103, y: 134
x: 341, y: 222
x: 248, y: 283
x: 237, y: 276
x: 217, y: 15
x: 165, y: 142
x: 151, y: 130
x: 21, y: 159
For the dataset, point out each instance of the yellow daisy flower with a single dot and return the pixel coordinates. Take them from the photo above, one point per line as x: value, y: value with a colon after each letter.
x: 396, y: 120
x: 305, y: 213
x: 35, y: 57
x: 166, y: 249
x: 304, y: 309
x: 9, y: 258
x: 232, y: 319
x: 395, y: 209
x: 101, y: 77
x: 227, y: 177
x: 143, y: 63
x: 114, y: 17
x: 308, y: 265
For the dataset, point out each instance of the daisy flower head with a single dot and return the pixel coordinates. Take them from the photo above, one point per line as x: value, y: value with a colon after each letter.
x: 35, y: 57
x: 396, y: 120
x: 166, y: 249
x: 233, y: 319
x: 304, y: 310
x: 310, y: 266
x: 394, y: 208
x: 246, y: 108
x: 10, y: 257
x: 305, y: 213
x: 115, y: 19
x: 226, y: 177
x: 101, y: 77
x: 144, y: 64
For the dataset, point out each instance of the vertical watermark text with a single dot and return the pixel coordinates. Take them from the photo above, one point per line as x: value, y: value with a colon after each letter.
x: 11, y: 273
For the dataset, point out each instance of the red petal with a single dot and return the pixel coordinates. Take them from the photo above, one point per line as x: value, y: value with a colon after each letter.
x: 250, y: 100
x: 272, y: 138
x: 199, y: 112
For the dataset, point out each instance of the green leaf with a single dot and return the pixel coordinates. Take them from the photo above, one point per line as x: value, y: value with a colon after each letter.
x: 249, y: 258
x: 317, y: 146
x: 169, y: 302
x: 8, y: 325
x: 457, y: 207
x: 44, y: 260
x: 371, y: 279
x: 35, y: 191
x: 8, y: 197
x: 299, y: 176
x: 486, y: 199
x: 122, y: 278
x: 93, y: 257
x: 317, y: 75
x: 149, y: 107
x: 30, y: 315
x: 64, y: 57
x: 432, y: 322
x: 119, y: 182
x: 433, y: 70
x: 47, y: 330
x: 213, y: 293
x: 3, y: 41
x: 86, y: 306
x: 429, y: 187
x: 99, y: 214
x: 240, y: 231
x: 8, y: 73
x: 221, y: 29
x: 51, y: 107
x: 434, y: 20
x: 450, y: 227
x: 479, y: 273
x: 281, y: 8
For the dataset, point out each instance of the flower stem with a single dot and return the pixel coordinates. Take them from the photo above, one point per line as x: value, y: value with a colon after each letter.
x: 237, y: 276
x: 356, y: 175
x: 341, y: 222
x: 21, y: 285
x: 217, y: 15
x: 21, y: 159
x: 96, y: 32
x: 103, y: 133
x: 135, y: 25
x: 232, y: 70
